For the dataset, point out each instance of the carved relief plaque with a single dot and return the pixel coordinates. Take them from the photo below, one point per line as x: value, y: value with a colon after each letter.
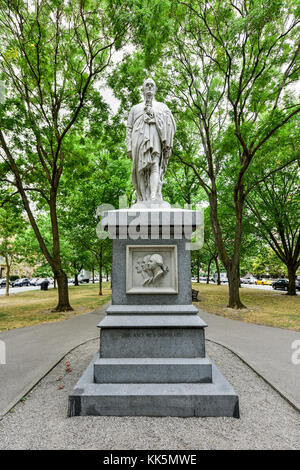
x: 151, y: 269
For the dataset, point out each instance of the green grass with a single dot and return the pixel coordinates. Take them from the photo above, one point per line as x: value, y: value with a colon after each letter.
x: 34, y: 307
x: 264, y: 307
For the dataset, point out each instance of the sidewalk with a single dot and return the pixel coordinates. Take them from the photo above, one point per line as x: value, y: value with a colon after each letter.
x: 266, y: 349
x: 32, y: 351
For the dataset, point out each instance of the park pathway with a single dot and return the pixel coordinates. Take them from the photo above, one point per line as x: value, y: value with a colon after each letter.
x: 31, y: 352
x: 266, y: 349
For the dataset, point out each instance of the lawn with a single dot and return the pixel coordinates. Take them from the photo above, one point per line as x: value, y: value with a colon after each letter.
x: 34, y: 307
x: 264, y: 307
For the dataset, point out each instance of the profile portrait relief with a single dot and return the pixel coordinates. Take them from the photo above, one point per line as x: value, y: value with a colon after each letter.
x: 151, y: 268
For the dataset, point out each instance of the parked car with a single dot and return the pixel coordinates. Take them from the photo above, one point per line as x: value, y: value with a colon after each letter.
x: 21, y: 282
x: 3, y: 283
x: 33, y: 281
x: 223, y: 277
x: 283, y: 284
x: 267, y: 282
x: 248, y: 280
x: 40, y: 280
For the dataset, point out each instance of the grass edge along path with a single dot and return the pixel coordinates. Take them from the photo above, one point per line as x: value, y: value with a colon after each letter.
x: 264, y: 307
x: 34, y: 307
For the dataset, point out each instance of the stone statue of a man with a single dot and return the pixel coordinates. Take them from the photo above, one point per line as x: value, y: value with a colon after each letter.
x: 150, y: 131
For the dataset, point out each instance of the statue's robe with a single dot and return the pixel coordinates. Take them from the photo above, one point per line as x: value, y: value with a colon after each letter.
x: 145, y: 139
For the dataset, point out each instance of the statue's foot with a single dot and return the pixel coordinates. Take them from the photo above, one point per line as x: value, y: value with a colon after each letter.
x: 151, y: 204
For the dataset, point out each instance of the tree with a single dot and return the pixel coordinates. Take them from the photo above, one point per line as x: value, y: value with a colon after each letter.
x: 275, y: 203
x: 268, y: 262
x: 11, y: 225
x: 104, y: 178
x: 229, y: 70
x: 52, y: 54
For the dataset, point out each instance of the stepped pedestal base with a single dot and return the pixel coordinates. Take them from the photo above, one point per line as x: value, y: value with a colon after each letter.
x: 153, y: 399
x: 152, y: 359
x: 150, y: 365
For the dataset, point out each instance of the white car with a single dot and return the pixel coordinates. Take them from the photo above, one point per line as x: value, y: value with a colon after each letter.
x: 248, y: 280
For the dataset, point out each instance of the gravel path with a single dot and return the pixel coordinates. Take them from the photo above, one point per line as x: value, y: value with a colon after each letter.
x: 40, y: 422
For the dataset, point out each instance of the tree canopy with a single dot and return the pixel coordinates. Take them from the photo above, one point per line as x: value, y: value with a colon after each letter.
x: 227, y: 70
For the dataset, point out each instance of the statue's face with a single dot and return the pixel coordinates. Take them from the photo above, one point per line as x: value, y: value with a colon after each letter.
x: 138, y: 265
x: 144, y: 263
x: 154, y: 262
x: 149, y: 89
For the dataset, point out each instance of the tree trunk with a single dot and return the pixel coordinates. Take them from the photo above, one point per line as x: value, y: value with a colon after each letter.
x: 292, y: 279
x: 218, y: 271
x: 54, y: 283
x: 208, y: 271
x: 231, y: 264
x: 63, y: 293
x: 234, y: 289
x: 7, y: 277
x: 93, y: 275
x: 76, y: 283
x: 100, y: 271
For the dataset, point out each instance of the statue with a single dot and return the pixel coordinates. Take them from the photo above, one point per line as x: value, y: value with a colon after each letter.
x: 150, y: 131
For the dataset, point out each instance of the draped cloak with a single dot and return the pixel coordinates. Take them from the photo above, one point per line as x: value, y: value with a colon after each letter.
x: 146, y: 139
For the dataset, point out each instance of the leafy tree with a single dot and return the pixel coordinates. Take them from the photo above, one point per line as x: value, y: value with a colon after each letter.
x: 12, y: 224
x: 275, y: 203
x: 229, y: 71
x: 52, y: 53
x: 267, y: 262
x: 104, y: 178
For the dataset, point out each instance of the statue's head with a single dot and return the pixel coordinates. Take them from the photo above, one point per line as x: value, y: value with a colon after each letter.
x: 138, y: 265
x: 144, y: 263
x: 149, y: 88
x: 155, y: 261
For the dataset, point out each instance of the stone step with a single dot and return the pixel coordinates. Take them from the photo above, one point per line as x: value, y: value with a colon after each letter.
x: 180, y: 399
x: 189, y: 309
x: 152, y: 321
x: 153, y: 370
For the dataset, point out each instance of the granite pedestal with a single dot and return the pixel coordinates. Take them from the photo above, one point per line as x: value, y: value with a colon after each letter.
x: 152, y: 359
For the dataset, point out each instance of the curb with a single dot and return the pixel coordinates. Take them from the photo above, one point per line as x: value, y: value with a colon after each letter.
x: 28, y: 388
x: 260, y: 374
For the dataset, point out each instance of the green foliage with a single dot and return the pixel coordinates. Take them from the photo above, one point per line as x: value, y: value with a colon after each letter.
x: 268, y: 263
x: 227, y: 70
